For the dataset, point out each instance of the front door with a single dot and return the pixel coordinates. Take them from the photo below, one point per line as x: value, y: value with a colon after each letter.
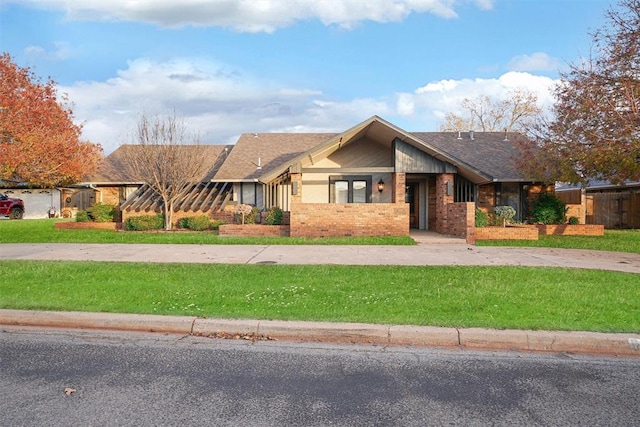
x: 411, y: 196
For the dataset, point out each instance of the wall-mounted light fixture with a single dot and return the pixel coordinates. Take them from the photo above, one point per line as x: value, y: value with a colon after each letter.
x: 381, y: 185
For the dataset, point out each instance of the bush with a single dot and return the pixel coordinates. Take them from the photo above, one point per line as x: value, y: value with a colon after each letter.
x: 198, y: 223
x: 82, y: 216
x: 144, y: 222
x: 549, y: 209
x: 574, y: 220
x: 482, y: 220
x: 274, y: 216
x: 101, y: 212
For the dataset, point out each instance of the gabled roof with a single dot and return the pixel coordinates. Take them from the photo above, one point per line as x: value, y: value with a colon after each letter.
x: 270, y: 150
x: 489, y: 156
x: 114, y: 168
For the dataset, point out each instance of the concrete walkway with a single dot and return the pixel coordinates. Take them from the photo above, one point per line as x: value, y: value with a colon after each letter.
x: 442, y: 252
x: 431, y: 250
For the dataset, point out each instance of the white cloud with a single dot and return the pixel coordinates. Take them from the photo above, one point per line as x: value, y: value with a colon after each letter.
x: 215, y: 100
x: 59, y: 52
x: 432, y: 101
x: 538, y: 61
x: 220, y: 102
x: 252, y: 15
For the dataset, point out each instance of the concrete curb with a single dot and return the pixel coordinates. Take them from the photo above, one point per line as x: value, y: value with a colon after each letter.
x: 428, y: 336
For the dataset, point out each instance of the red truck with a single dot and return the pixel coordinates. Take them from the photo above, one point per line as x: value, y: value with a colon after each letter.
x: 11, y: 207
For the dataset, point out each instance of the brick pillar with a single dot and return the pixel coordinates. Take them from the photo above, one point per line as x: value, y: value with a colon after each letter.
x: 442, y: 200
x: 296, y: 188
x: 399, y: 187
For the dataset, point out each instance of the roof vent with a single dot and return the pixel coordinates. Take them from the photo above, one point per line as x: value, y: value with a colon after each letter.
x: 471, y: 135
x: 506, y: 138
x: 459, y: 135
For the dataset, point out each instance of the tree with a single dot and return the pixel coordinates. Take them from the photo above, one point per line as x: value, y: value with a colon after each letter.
x: 39, y: 143
x: 167, y: 158
x: 594, y: 131
x: 485, y: 114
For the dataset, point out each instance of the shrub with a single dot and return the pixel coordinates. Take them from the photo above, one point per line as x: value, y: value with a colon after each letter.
x: 82, y: 216
x: 504, y: 214
x: 183, y: 223
x: 574, y: 220
x: 549, y: 209
x: 144, y: 222
x: 274, y: 216
x: 198, y: 223
x: 101, y: 212
x: 482, y: 220
x: 215, y: 224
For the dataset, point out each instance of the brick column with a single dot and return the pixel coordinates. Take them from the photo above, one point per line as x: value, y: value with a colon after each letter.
x: 399, y: 181
x: 296, y: 187
x: 442, y: 200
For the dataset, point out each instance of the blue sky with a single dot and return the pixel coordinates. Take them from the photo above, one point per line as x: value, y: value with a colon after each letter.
x: 234, y: 66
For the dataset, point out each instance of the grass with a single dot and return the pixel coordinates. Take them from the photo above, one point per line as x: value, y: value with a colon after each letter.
x: 613, y: 240
x: 43, y: 231
x: 495, y: 297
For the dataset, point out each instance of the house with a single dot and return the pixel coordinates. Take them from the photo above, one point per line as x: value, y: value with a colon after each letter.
x: 370, y: 180
x: 600, y: 202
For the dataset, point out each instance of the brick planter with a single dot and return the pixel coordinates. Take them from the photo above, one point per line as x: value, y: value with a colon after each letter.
x: 571, y: 230
x: 253, y: 230
x: 88, y: 225
x: 515, y: 232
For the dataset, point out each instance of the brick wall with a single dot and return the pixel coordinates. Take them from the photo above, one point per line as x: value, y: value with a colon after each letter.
x: 349, y: 219
x: 253, y: 230
x: 571, y: 230
x: 523, y: 232
x: 461, y: 221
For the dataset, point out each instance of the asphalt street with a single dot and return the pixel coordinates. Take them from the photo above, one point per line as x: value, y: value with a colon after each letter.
x: 140, y: 379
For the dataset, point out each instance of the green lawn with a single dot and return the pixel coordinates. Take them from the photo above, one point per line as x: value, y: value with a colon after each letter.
x: 613, y: 240
x: 496, y: 297
x: 43, y: 231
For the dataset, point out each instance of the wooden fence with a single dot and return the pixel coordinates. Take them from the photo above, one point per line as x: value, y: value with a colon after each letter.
x: 613, y: 210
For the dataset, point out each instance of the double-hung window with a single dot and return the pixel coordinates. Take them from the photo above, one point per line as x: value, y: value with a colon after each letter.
x: 350, y: 189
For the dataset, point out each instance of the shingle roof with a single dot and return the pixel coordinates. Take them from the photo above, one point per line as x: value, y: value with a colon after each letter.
x: 494, y: 154
x: 114, y: 168
x: 273, y: 149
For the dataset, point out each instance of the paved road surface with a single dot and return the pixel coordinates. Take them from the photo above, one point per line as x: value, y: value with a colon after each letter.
x: 143, y: 379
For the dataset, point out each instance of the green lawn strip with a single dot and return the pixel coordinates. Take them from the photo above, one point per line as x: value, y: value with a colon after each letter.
x: 494, y: 297
x: 613, y: 240
x: 43, y: 231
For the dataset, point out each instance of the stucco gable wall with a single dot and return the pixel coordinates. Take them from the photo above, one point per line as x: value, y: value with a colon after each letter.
x: 361, y: 153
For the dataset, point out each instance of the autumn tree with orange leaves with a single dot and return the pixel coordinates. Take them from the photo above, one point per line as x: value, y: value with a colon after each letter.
x: 39, y: 143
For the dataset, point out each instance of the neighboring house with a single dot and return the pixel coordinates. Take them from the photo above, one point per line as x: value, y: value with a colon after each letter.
x: 372, y: 179
x: 600, y: 202
x: 38, y: 202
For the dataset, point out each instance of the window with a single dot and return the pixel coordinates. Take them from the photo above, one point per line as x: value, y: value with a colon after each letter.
x: 465, y: 190
x: 251, y: 194
x: 350, y: 189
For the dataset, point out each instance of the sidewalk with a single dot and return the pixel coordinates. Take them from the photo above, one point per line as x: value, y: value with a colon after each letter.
x: 440, y: 252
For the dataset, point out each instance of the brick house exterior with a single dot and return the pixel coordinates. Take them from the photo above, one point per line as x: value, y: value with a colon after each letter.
x: 373, y: 179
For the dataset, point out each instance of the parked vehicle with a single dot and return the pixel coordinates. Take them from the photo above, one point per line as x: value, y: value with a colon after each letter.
x: 11, y: 207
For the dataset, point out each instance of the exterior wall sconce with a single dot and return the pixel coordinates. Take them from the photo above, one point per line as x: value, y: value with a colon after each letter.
x: 381, y: 185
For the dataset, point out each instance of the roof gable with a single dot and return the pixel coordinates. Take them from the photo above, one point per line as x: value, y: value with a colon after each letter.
x: 259, y: 153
